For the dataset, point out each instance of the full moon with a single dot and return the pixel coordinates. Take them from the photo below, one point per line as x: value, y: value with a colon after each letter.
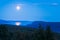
x: 18, y: 7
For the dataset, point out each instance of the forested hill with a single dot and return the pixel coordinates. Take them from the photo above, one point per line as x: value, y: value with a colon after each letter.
x: 13, y: 32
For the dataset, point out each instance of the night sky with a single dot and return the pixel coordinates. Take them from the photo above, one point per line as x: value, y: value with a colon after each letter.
x: 30, y: 10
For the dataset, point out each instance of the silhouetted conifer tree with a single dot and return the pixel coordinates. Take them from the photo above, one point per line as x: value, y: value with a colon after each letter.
x: 49, y: 34
x: 41, y: 35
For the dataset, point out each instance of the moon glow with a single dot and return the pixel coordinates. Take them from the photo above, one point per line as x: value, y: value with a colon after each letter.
x: 18, y: 23
x: 18, y: 7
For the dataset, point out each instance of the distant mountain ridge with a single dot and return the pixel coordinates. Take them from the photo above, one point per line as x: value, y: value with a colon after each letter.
x: 55, y: 26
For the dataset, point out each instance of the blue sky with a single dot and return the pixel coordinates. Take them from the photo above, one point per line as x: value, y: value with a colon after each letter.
x: 31, y: 10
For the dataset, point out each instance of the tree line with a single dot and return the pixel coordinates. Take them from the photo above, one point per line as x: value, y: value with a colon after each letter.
x: 40, y: 34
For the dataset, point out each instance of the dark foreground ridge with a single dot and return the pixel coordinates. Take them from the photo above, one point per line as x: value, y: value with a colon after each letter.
x: 13, y: 32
